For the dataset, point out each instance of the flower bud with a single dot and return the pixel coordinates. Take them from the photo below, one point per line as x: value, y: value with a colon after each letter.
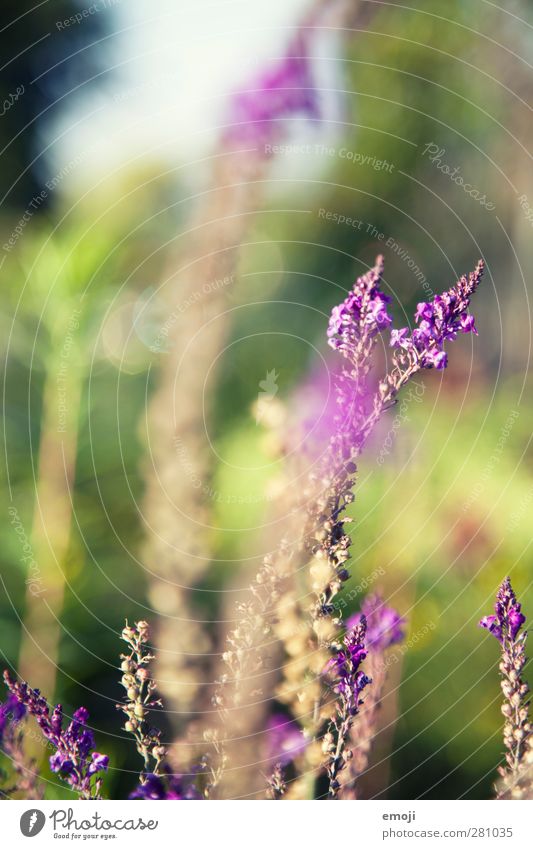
x: 143, y: 628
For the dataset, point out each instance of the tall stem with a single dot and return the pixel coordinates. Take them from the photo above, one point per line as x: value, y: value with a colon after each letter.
x: 38, y: 658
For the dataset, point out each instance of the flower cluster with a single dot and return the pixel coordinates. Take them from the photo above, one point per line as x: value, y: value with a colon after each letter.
x: 140, y: 686
x: 345, y: 664
x: 353, y: 330
x: 506, y: 621
x: 285, y: 90
x: 363, y: 312
x: 439, y: 321
x: 506, y: 625
x: 75, y: 759
x: 349, y: 683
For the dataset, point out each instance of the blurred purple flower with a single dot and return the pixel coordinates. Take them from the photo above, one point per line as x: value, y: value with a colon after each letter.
x: 285, y: 740
x: 165, y: 786
x: 286, y: 89
x: 11, y: 711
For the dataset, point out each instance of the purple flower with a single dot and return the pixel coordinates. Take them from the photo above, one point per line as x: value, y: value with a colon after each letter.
x: 284, y: 90
x: 59, y: 762
x: 74, y: 759
x: 507, y: 620
x: 378, y: 312
x: 99, y: 763
x: 384, y: 625
x: 506, y: 625
x: 399, y: 338
x: 349, y: 683
x: 439, y: 321
x: 468, y: 324
x: 436, y: 359
x: 492, y: 625
x: 424, y: 311
x: 81, y: 715
x: 362, y: 314
x: 349, y: 680
x: 285, y: 740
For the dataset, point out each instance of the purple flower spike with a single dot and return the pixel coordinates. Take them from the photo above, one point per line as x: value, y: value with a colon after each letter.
x: 349, y: 683
x: 363, y: 312
x: 344, y: 666
x: 385, y: 628
x: 285, y: 90
x: 506, y: 621
x: 440, y: 321
x: 506, y: 625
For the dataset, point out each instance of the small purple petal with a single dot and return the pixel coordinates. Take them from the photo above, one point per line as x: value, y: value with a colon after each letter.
x: 99, y: 763
x: 81, y: 715
x: 491, y: 625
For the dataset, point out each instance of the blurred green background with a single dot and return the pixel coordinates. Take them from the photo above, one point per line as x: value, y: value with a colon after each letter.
x: 446, y: 515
